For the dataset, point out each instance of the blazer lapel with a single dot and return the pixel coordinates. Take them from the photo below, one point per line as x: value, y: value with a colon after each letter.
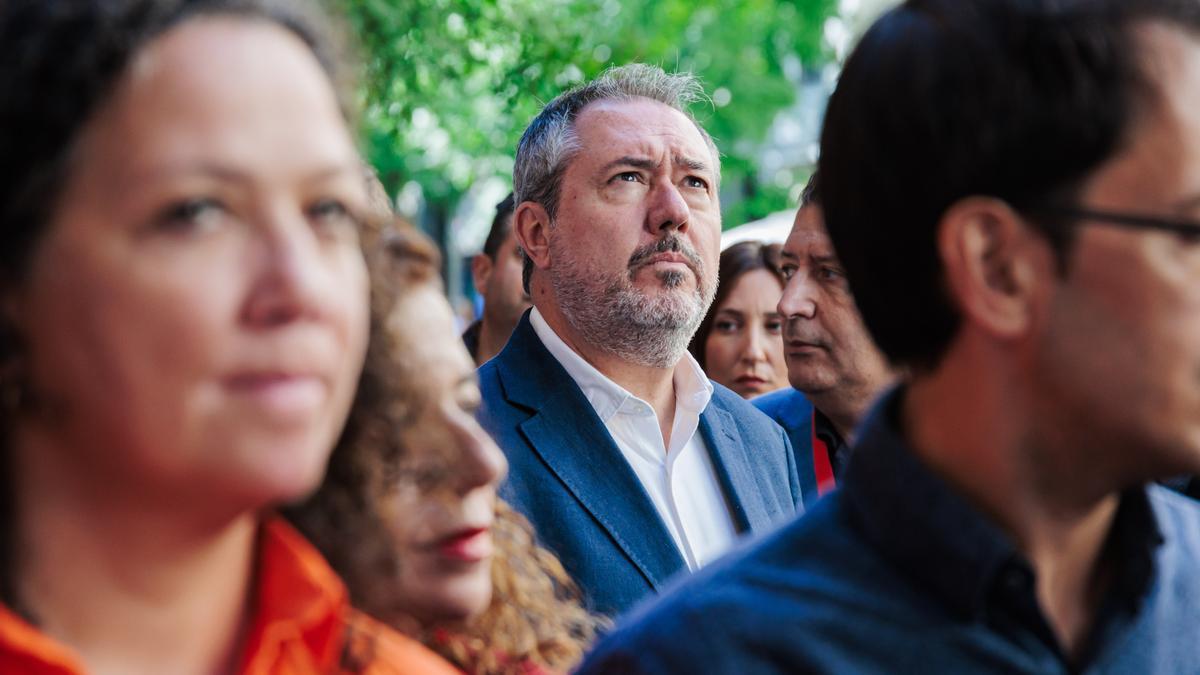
x: 733, y: 467
x: 574, y: 444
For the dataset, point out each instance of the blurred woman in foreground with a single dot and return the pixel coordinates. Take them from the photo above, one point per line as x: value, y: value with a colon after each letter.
x: 184, y: 319
x: 740, y: 342
x: 408, y: 513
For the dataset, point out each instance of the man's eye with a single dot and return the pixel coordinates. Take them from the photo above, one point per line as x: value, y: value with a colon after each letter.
x: 831, y: 273
x: 695, y: 182
x: 628, y: 177
x: 774, y: 326
x: 788, y: 271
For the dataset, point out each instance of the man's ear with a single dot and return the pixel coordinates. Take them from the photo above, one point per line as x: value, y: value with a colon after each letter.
x: 531, y: 227
x: 481, y: 271
x: 995, y: 265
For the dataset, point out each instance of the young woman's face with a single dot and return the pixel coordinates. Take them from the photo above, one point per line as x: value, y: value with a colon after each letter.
x: 441, y: 512
x: 196, y: 315
x: 744, y: 349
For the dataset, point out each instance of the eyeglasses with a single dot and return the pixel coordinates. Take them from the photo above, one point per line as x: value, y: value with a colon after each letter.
x: 1187, y: 228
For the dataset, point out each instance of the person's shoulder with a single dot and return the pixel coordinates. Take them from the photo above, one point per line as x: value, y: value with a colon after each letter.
x: 813, y: 596
x: 1178, y: 518
x: 523, y: 361
x: 797, y: 580
x: 743, y: 412
x: 783, y: 405
x: 376, y: 649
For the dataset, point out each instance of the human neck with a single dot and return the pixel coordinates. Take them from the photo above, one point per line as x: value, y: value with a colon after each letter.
x: 493, y: 335
x: 653, y: 385
x: 980, y: 443
x: 127, y: 586
x: 844, y: 407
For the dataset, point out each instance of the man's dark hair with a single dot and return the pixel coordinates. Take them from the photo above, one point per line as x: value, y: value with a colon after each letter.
x: 811, y: 194
x: 501, y: 226
x: 1021, y: 100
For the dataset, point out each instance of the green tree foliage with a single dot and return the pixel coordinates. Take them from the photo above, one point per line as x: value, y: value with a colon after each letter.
x: 451, y: 84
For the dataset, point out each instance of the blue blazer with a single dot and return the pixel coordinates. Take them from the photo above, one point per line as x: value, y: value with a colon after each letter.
x: 792, y: 411
x: 568, y: 477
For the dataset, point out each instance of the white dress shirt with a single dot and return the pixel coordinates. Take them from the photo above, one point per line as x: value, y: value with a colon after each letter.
x: 680, y: 480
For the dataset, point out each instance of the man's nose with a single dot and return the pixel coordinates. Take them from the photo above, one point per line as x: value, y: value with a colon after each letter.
x: 668, y: 210
x: 799, y: 298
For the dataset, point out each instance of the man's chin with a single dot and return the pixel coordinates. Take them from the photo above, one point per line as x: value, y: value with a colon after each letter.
x: 813, y: 387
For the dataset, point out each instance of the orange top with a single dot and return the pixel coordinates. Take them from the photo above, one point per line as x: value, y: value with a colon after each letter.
x: 302, y: 625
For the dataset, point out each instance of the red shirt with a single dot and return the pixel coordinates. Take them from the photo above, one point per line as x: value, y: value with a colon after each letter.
x: 301, y: 623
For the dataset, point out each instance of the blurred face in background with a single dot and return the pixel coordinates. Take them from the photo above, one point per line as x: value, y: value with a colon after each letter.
x: 196, y: 314
x: 498, y: 280
x: 441, y: 513
x: 744, y: 349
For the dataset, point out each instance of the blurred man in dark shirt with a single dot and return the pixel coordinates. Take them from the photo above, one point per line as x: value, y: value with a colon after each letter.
x: 1013, y: 187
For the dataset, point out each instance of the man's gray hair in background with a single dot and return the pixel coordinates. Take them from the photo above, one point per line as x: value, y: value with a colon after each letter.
x: 550, y: 141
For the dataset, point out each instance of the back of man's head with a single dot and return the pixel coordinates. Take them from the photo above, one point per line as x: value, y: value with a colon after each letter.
x: 501, y: 226
x: 1021, y: 100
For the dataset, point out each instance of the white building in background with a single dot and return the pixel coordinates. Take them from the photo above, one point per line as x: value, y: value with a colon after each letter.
x: 792, y: 144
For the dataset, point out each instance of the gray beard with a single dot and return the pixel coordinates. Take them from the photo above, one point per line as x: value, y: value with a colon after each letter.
x: 652, y: 332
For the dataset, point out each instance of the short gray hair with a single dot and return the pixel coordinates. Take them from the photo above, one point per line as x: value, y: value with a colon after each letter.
x: 550, y: 141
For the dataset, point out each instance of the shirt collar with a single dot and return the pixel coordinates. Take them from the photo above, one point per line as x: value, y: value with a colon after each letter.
x: 300, y: 606
x: 825, y: 430
x: 693, y: 391
x: 935, y: 536
x: 299, y: 601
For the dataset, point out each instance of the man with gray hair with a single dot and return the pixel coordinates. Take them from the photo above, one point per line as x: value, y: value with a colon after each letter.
x: 630, y: 463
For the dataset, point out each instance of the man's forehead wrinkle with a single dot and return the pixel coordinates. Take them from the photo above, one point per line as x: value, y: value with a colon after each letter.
x: 689, y: 163
x: 809, y: 244
x: 614, y: 119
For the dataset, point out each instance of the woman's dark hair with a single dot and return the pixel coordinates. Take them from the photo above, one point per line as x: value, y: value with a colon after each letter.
x: 737, y: 260
x: 1020, y: 100
x: 59, y: 63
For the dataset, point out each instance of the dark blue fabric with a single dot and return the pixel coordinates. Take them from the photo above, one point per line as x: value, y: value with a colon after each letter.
x: 568, y: 477
x: 896, y: 573
x: 792, y: 411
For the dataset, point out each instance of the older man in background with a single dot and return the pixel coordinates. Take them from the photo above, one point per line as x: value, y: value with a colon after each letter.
x: 835, y: 370
x: 630, y: 463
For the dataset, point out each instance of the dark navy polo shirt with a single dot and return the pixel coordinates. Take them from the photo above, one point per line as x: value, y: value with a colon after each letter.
x: 896, y: 572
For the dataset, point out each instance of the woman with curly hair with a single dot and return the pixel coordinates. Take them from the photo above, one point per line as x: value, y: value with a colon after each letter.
x: 408, y: 513
x: 183, y: 320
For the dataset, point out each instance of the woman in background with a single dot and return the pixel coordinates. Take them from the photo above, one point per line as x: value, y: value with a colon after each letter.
x: 408, y: 513
x: 740, y: 343
x: 183, y: 321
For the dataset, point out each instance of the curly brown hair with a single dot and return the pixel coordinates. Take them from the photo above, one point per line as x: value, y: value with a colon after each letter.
x: 535, y: 614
